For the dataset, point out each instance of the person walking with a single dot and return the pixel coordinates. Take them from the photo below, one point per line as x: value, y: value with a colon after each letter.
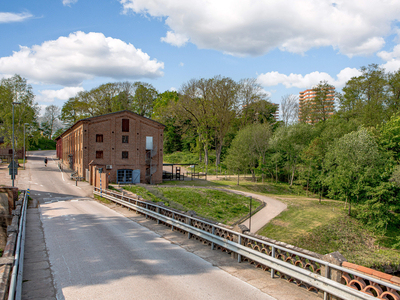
x: 45, y: 161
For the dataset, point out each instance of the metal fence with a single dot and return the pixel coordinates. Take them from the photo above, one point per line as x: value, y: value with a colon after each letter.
x: 314, y: 274
x: 17, y: 271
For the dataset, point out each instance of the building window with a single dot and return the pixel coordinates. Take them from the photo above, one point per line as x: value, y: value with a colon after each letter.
x: 99, y: 138
x: 124, y: 154
x: 99, y: 154
x: 125, y: 139
x: 125, y: 125
x: 149, y: 143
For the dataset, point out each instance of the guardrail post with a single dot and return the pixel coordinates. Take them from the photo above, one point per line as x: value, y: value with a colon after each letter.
x: 158, y: 210
x: 213, y: 233
x: 334, y: 258
x: 190, y: 214
x: 238, y: 239
x: 173, y: 217
x: 273, y: 255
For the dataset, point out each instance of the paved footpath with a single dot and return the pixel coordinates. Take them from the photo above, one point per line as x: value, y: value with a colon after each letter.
x: 37, y: 277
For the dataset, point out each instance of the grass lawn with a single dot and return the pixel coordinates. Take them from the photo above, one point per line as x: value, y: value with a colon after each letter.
x: 212, y: 204
x: 326, y: 228
x: 216, y: 205
x: 322, y: 228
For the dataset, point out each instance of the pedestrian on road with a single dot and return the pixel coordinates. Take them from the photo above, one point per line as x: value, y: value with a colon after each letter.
x: 45, y: 161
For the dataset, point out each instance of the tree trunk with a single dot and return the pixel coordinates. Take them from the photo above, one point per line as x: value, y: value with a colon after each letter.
x: 206, y: 154
x: 294, y: 169
x: 238, y: 178
x: 253, y: 175
x: 218, y: 151
x: 308, y: 178
x: 276, y: 172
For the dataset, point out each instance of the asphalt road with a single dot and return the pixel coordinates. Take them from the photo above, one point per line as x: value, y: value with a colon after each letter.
x: 96, y: 253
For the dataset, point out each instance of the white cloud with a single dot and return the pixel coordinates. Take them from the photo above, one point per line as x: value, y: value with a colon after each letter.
x: 255, y: 27
x: 69, y: 60
x: 392, y: 59
x: 69, y: 2
x: 175, y: 39
x: 172, y: 89
x: 308, y: 80
x: 181, y: 64
x: 7, y: 17
x: 62, y: 94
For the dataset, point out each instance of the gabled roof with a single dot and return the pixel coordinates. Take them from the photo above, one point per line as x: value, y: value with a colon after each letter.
x: 113, y: 113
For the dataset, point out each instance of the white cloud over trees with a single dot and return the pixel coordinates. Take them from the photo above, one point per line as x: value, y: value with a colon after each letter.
x: 61, y: 94
x: 68, y: 61
x: 308, y: 80
x: 255, y: 27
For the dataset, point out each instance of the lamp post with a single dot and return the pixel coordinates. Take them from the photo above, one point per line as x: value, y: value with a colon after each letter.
x: 13, y: 140
x: 24, y: 143
x: 251, y: 198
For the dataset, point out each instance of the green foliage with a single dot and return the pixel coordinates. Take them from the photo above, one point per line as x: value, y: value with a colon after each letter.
x: 16, y: 89
x: 43, y: 144
x: 389, y: 138
x: 110, y: 97
x: 181, y: 158
x: 352, y: 164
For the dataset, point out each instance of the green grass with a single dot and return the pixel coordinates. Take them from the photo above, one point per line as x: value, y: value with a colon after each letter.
x: 212, y: 204
x: 325, y: 228
x: 141, y: 191
x: 102, y: 199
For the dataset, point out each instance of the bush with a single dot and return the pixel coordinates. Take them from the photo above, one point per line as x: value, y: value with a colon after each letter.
x: 43, y: 144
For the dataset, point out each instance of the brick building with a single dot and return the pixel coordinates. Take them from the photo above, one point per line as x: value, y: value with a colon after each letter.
x: 6, y: 151
x: 128, y: 147
x: 310, y: 111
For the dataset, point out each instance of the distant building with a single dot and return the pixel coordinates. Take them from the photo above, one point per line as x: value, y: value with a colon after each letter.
x: 276, y: 113
x: 125, y: 145
x: 6, y: 151
x: 316, y: 104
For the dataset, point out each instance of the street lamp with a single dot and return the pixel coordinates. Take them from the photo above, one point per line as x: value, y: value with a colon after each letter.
x: 13, y: 146
x: 24, y: 143
x: 251, y: 198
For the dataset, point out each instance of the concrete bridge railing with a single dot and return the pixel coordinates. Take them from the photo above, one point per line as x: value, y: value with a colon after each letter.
x: 316, y: 273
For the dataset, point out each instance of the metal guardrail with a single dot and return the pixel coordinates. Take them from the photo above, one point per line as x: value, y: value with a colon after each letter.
x: 17, y: 271
x: 278, y: 260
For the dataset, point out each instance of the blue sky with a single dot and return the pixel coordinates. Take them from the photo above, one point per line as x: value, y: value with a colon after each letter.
x: 64, y: 46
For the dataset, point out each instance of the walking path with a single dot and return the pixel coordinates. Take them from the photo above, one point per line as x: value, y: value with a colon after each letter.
x: 260, y: 219
x: 37, y: 277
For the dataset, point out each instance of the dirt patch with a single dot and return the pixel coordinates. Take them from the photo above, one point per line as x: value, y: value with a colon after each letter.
x: 280, y: 223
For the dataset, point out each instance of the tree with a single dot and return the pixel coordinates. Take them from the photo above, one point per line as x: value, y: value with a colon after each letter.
x: 389, y: 137
x: 252, y: 102
x: 241, y: 156
x: 352, y: 164
x: 289, y: 141
x: 289, y: 109
x: 261, y: 112
x: 16, y: 89
x: 364, y: 97
x: 143, y: 99
x: 163, y: 111
x: 51, y: 117
x: 210, y: 105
